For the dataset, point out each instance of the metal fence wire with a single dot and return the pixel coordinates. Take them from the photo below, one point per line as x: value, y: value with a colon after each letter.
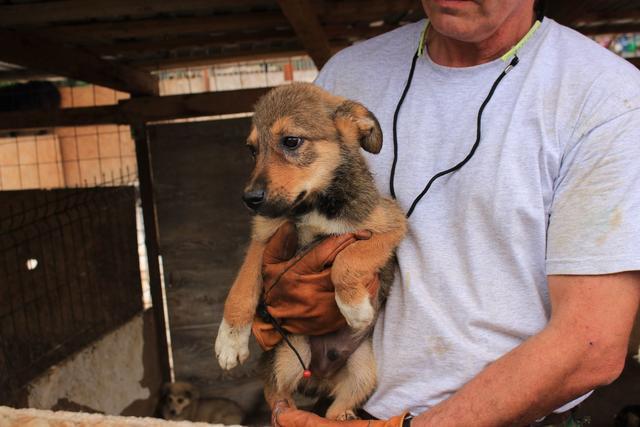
x: 69, y: 273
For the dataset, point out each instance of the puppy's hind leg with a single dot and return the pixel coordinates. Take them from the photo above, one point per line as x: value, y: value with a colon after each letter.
x: 284, y: 370
x: 353, y: 384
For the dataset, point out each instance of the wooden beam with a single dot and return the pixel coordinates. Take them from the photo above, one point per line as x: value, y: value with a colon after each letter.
x: 80, y: 116
x: 333, y: 31
x: 565, y: 12
x: 41, y: 54
x: 157, y: 64
x: 44, y: 13
x: 631, y: 27
x: 23, y: 74
x: 195, y: 42
x: 150, y: 109
x: 366, y: 11
x: 166, y: 27
x: 138, y: 110
x: 361, y: 32
x: 606, y: 16
x: 304, y: 21
x: 170, y: 63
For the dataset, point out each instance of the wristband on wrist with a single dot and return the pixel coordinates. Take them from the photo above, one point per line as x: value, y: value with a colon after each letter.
x: 406, y: 421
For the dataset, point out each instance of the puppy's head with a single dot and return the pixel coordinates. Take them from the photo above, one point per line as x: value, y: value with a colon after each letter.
x: 176, y: 397
x: 299, y: 136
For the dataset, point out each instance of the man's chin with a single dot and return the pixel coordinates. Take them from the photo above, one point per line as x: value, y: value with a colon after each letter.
x: 460, y: 28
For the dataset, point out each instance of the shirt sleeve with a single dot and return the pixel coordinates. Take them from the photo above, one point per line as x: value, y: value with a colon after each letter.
x: 594, y: 221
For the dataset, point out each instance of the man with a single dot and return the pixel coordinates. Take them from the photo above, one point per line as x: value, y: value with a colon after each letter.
x: 517, y: 284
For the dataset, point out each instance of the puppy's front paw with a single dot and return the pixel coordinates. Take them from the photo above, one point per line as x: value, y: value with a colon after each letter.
x: 341, y: 415
x: 232, y: 345
x: 358, y: 315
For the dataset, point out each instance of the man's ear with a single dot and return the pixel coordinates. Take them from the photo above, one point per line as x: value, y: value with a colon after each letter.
x: 353, y: 120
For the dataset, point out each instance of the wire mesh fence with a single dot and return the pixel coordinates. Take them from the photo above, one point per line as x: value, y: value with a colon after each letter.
x: 69, y: 273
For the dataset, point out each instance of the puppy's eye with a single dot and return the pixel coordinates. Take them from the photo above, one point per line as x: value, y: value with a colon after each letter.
x: 292, y: 142
x: 253, y: 150
x: 180, y: 400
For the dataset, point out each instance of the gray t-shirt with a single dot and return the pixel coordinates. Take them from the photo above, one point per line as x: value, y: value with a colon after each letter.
x: 554, y: 188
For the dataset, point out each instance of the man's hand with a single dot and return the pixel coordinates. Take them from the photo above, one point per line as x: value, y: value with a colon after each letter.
x: 283, y: 416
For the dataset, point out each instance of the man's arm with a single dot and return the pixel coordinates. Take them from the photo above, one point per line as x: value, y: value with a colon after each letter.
x: 583, y: 347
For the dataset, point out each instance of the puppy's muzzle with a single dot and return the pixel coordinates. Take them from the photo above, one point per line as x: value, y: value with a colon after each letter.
x: 254, y: 198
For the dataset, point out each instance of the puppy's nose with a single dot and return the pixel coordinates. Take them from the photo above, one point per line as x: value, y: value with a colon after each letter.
x: 253, y: 199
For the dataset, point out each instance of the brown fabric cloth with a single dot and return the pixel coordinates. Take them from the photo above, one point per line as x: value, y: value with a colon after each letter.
x: 298, y: 290
x: 283, y: 416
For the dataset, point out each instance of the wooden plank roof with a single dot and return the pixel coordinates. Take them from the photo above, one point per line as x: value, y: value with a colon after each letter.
x: 152, y: 35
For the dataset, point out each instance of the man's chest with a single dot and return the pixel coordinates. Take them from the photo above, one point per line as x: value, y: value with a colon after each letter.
x: 510, y: 177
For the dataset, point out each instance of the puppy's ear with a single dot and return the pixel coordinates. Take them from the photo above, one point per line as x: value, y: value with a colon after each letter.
x: 353, y: 120
x: 192, y: 393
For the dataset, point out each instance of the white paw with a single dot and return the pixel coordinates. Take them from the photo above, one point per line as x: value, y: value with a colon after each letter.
x: 232, y: 345
x: 359, y: 316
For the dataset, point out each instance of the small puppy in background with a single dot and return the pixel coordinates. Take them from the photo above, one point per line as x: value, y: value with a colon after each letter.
x: 181, y: 401
x: 310, y: 171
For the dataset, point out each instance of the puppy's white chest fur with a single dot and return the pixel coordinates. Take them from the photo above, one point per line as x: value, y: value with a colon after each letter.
x: 313, y: 224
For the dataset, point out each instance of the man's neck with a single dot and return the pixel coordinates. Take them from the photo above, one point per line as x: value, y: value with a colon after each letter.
x: 449, y: 52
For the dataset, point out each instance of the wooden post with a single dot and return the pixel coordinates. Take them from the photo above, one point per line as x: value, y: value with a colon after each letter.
x: 304, y: 20
x: 145, y: 178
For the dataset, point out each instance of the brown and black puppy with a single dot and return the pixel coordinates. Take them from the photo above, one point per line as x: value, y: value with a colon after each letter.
x: 182, y: 401
x: 309, y: 169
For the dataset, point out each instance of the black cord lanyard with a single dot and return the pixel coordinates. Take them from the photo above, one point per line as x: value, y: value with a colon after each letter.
x: 514, y: 61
